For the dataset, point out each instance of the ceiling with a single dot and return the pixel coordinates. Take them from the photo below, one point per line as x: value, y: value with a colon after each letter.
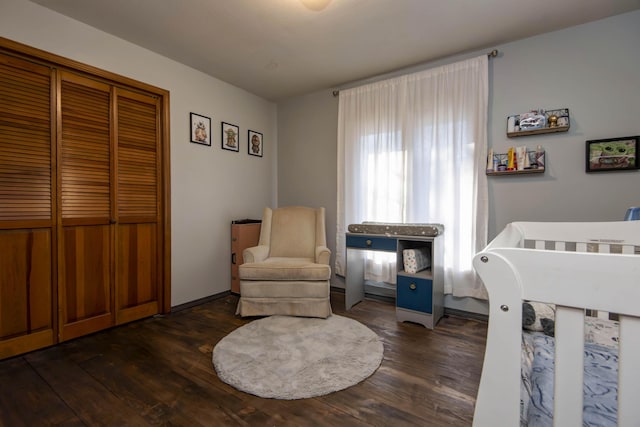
x: 280, y: 48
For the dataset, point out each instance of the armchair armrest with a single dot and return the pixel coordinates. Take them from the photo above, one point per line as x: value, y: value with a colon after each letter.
x: 322, y: 255
x: 255, y: 253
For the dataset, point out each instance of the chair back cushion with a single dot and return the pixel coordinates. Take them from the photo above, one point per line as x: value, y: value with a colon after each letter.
x: 293, y: 232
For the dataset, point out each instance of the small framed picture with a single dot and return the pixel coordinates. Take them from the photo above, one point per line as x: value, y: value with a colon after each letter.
x: 230, y: 137
x: 200, y: 129
x: 255, y: 143
x: 613, y: 154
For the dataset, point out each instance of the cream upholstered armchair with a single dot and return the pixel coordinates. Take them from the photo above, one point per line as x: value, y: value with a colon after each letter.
x: 288, y: 272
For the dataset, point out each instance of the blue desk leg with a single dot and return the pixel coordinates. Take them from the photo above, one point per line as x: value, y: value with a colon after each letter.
x: 354, y: 281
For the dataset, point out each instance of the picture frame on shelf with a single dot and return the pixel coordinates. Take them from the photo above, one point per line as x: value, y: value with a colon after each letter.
x: 612, y: 154
x: 200, y: 129
x: 255, y: 143
x: 230, y: 137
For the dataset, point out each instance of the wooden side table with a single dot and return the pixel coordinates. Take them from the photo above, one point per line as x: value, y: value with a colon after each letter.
x: 244, y: 234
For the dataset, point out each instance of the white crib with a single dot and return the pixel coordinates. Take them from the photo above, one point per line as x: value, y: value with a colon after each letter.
x: 575, y: 266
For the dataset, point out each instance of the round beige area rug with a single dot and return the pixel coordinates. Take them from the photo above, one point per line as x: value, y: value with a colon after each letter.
x: 284, y: 357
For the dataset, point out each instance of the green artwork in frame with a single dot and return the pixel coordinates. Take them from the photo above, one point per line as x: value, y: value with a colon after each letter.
x: 613, y: 154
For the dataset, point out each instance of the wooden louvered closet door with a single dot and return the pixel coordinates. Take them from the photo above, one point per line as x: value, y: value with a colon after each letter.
x: 110, y: 191
x: 27, y: 211
x: 137, y: 204
x: 84, y: 199
x: 85, y: 168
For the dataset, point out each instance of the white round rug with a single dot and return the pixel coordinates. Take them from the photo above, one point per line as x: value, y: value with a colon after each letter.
x: 284, y: 357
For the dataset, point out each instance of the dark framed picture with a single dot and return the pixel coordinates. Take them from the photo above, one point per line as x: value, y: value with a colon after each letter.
x: 613, y: 154
x: 255, y: 143
x: 200, y: 129
x: 230, y: 137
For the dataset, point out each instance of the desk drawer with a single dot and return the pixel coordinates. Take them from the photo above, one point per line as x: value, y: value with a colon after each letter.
x: 372, y: 243
x: 414, y: 293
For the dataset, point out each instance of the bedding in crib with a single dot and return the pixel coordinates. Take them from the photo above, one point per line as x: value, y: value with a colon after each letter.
x: 600, y: 375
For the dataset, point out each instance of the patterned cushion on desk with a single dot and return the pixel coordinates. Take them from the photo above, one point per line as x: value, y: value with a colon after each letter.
x: 395, y: 229
x: 416, y: 260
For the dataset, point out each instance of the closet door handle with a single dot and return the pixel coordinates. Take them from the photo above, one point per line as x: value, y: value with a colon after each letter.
x: 112, y: 221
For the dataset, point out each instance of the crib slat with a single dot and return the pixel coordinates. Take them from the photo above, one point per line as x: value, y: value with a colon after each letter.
x: 628, y: 249
x: 629, y: 372
x: 568, y: 381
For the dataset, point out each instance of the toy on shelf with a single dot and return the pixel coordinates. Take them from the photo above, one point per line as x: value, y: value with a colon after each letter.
x: 537, y: 122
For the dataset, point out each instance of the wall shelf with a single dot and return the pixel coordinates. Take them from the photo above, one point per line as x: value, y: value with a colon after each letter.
x: 538, y: 131
x: 561, y: 124
x: 502, y: 159
x: 522, y: 172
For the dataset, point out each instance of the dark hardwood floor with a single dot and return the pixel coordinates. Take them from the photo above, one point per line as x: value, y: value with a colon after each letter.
x: 158, y: 371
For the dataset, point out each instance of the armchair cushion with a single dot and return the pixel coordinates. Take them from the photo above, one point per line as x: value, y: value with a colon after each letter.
x: 289, y: 290
x: 281, y: 268
x: 293, y: 232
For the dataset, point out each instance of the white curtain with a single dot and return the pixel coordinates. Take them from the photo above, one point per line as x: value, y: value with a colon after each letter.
x: 412, y: 149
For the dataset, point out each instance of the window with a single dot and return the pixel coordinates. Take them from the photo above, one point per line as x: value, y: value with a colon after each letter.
x: 411, y: 150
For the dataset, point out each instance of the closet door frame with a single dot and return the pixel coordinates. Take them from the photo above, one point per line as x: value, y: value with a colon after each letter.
x: 57, y: 62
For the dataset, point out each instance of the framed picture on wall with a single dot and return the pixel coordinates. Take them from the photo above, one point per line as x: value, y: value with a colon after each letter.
x: 255, y: 143
x: 613, y: 154
x: 230, y: 137
x: 200, y: 129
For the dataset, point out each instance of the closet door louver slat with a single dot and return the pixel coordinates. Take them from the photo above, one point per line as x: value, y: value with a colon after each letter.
x: 137, y: 157
x: 25, y: 144
x: 86, y: 147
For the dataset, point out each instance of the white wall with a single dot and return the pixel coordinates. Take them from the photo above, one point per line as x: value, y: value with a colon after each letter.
x: 592, y: 69
x: 307, y: 168
x: 209, y: 186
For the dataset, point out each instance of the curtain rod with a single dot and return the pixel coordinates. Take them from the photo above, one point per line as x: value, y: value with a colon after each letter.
x: 492, y: 54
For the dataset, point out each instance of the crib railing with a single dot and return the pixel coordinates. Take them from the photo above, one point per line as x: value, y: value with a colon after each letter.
x: 575, y: 266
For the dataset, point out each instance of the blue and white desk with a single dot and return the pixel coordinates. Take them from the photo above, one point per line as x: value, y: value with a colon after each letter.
x: 420, y: 296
